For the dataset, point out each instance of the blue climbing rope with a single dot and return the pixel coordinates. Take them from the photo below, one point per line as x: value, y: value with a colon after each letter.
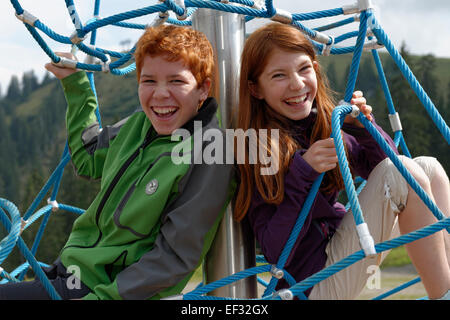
x: 324, y: 44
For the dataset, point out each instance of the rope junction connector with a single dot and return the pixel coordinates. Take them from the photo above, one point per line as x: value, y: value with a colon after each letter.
x: 323, y: 38
x: 159, y: 20
x: 372, y: 45
x: 105, y: 64
x: 282, y: 16
x: 23, y: 224
x: 75, y: 39
x: 326, y: 49
x: 394, y: 119
x: 257, y: 4
x: 355, y: 111
x: 284, y: 294
x: 91, y: 59
x: 7, y: 276
x: 180, y: 3
x: 359, y: 6
x: 276, y: 272
x: 174, y: 297
x: 366, y: 240
x: 27, y: 18
x: 66, y: 63
x: 54, y: 204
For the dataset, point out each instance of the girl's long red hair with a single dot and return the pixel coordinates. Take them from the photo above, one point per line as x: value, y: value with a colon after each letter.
x: 256, y: 114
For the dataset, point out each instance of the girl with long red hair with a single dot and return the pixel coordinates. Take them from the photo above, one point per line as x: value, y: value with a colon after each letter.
x: 282, y: 88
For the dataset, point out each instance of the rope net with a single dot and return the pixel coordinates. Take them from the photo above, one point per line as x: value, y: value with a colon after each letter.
x: 369, y: 36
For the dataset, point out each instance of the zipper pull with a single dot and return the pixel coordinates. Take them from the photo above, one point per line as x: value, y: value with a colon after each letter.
x: 138, y: 181
x: 139, y: 160
x: 140, y: 155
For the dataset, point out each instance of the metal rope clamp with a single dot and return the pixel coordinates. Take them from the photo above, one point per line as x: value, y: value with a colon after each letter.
x: 174, y: 297
x: 91, y: 59
x: 66, y: 63
x: 276, y: 272
x: 394, y: 120
x: 326, y: 49
x: 366, y: 240
x: 284, y: 294
x: 75, y: 39
x: 27, y: 18
x: 180, y: 3
x: 372, y: 45
x: 323, y: 38
x: 355, y: 110
x: 282, y: 16
x: 23, y: 224
x: 257, y: 4
x: 105, y: 64
x: 359, y: 6
x: 159, y: 20
x: 54, y: 204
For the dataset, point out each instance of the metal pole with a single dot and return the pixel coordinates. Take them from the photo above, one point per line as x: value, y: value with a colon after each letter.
x: 233, y: 248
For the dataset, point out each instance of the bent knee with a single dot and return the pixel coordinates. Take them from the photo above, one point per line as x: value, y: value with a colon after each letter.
x: 418, y: 173
x: 432, y: 167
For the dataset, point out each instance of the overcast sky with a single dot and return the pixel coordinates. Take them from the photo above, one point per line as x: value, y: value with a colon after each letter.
x: 423, y: 25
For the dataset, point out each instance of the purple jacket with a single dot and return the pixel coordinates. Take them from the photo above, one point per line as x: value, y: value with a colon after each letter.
x: 272, y: 224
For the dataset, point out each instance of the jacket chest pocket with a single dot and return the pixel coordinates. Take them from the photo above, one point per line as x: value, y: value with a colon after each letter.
x: 143, y: 203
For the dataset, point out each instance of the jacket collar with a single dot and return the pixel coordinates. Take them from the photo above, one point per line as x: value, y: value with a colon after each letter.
x: 205, y: 114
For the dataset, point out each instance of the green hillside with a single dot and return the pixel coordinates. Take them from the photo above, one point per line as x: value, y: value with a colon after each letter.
x: 341, y: 63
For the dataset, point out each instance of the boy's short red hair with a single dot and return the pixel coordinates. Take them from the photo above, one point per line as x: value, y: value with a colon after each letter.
x: 176, y: 43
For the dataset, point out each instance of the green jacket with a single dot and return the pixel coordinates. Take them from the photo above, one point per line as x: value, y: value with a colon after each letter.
x: 153, y: 221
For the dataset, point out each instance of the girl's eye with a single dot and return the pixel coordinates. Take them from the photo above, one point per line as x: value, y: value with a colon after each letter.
x: 149, y: 81
x: 177, y: 81
x: 277, y: 75
x: 305, y: 68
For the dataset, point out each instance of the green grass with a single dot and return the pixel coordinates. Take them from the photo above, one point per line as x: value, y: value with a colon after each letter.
x: 396, y: 258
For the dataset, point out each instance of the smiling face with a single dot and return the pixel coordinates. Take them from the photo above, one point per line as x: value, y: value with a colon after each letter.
x: 169, y: 93
x: 288, y: 84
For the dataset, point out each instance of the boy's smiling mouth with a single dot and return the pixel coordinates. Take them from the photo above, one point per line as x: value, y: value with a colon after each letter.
x: 164, y: 112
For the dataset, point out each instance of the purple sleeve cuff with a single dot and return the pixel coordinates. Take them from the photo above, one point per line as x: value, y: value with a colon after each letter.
x: 301, y: 169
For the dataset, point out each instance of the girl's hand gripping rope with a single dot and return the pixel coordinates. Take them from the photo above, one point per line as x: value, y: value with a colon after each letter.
x: 321, y: 156
x: 359, y: 101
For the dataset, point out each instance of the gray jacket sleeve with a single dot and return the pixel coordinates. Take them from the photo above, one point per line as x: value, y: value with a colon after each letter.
x: 95, y: 138
x: 179, y: 245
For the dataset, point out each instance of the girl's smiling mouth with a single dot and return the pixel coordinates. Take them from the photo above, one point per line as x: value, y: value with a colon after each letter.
x: 297, y: 100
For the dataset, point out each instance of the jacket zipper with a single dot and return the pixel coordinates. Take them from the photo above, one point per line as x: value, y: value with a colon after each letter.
x: 125, y: 199
x: 147, y: 140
